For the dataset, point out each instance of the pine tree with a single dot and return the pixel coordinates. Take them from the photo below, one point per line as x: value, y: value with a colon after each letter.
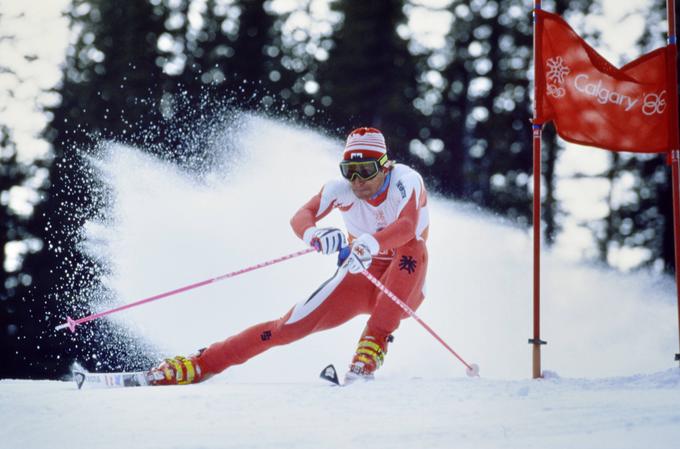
x: 640, y: 216
x: 16, y: 243
x: 447, y: 122
x: 303, y: 37
x: 20, y: 239
x: 483, y: 116
x: 491, y: 104
x: 370, y: 76
x: 652, y: 216
x: 109, y: 91
x: 238, y: 52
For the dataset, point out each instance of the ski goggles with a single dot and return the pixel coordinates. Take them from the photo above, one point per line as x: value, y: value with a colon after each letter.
x: 364, y: 170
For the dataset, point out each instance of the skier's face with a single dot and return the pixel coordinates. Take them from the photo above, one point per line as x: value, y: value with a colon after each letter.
x: 366, y: 189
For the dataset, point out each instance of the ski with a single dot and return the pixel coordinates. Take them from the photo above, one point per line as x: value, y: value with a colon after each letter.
x: 110, y: 380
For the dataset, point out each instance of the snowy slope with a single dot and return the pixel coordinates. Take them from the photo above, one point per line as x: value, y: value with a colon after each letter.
x: 167, y: 229
x: 619, y: 413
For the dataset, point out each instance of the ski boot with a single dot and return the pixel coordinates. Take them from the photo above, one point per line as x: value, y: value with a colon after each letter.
x: 177, y: 371
x: 369, y: 356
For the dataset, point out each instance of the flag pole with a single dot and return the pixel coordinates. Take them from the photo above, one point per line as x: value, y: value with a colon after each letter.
x: 675, y: 161
x: 675, y: 151
x: 536, y: 341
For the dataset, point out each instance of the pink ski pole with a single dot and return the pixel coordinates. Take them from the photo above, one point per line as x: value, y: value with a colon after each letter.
x: 71, y: 323
x: 472, y: 369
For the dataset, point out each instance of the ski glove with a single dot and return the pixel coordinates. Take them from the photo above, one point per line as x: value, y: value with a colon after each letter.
x: 326, y: 240
x: 359, y: 259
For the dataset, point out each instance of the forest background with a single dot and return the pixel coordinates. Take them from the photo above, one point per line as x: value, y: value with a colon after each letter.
x: 447, y: 81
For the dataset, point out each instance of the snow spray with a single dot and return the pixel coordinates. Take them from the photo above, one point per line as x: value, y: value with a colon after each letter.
x: 71, y: 323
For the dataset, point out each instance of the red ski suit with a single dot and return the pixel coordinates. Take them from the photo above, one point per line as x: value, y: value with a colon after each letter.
x: 398, y: 220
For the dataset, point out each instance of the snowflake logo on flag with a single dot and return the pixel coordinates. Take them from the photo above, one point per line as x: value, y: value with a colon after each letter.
x: 557, y: 71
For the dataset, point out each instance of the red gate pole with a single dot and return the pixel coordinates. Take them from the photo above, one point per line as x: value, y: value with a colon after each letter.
x: 675, y: 151
x: 536, y: 131
x: 675, y: 160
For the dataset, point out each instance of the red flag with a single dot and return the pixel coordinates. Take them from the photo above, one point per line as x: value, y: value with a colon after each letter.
x: 594, y: 103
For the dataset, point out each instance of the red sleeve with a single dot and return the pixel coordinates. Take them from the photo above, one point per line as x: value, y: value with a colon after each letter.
x: 309, y: 214
x: 403, y: 229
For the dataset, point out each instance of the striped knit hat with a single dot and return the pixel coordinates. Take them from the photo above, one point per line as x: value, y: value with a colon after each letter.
x: 364, y: 143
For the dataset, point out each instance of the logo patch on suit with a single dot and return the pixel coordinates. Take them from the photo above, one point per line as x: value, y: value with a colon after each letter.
x: 408, y: 263
x: 402, y: 189
x: 266, y: 335
x: 380, y: 219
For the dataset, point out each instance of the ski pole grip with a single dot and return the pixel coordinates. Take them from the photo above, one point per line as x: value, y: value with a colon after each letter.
x: 343, y: 254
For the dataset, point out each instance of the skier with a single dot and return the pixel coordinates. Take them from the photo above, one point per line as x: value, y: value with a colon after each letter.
x: 384, y: 207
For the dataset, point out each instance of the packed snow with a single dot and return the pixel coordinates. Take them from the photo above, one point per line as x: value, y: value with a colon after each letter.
x: 610, y: 380
x: 392, y: 412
